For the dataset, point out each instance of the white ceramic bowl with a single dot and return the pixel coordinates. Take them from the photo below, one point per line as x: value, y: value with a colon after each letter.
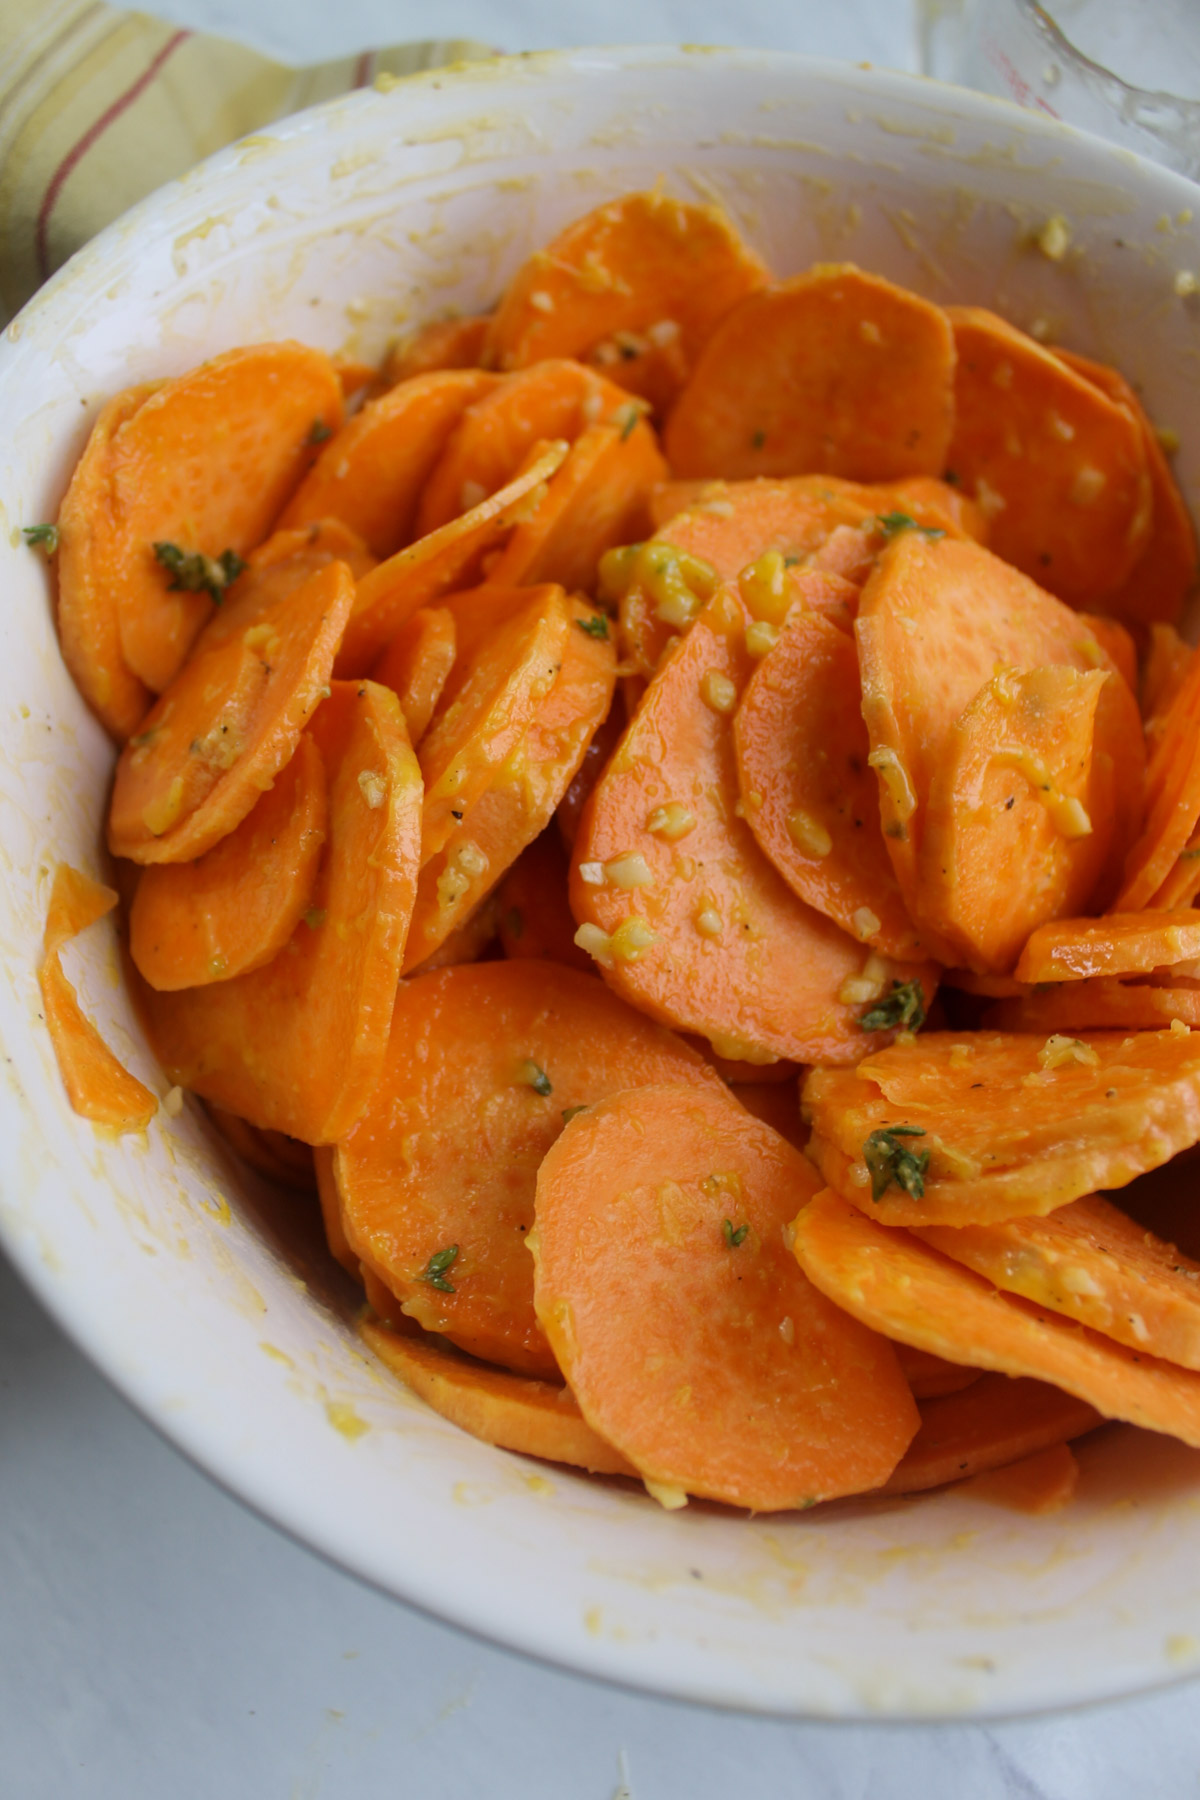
x: 204, y: 1298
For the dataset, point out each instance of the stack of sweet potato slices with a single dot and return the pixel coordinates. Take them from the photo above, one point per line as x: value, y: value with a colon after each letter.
x: 559, y: 783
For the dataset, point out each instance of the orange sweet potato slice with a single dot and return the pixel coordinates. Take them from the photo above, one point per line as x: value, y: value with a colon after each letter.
x: 988, y: 1426
x: 1058, y: 467
x: 603, y: 742
x: 1172, y: 803
x: 438, y: 563
x: 934, y: 621
x: 1163, y: 674
x: 931, y: 1376
x: 1099, y: 1005
x: 514, y: 1412
x: 643, y: 264
x: 683, y: 912
x: 442, y: 344
x: 1117, y: 645
x: 1119, y: 944
x: 1013, y: 1125
x: 834, y: 370
x: 298, y: 1045
x: 331, y: 1210
x: 289, y: 557
x: 416, y: 666
x: 229, y: 722
x: 280, y: 1159
x: 372, y: 472
x: 807, y: 792
x: 97, y: 1085
x: 521, y: 796
x: 235, y: 908
x: 475, y: 732
x: 1163, y: 575
x: 88, y: 550
x: 467, y: 943
x: 206, y: 464
x: 892, y: 1283
x: 1020, y: 816
x: 551, y: 402
x: 1093, y: 1264
x: 531, y: 902
x: 598, y: 499
x: 444, y: 1160
x: 666, y: 1291
x: 1036, y: 1484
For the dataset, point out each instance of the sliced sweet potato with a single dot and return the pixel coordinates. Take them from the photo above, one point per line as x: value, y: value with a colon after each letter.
x: 683, y: 912
x: 598, y: 499
x: 235, y: 908
x: 89, y: 539
x: 214, y: 742
x: 514, y: 1412
x: 522, y: 794
x: 206, y: 464
x: 1058, y: 467
x: 1036, y: 1484
x: 1163, y: 575
x: 931, y: 1376
x: 551, y: 402
x: 331, y: 1210
x: 1012, y: 1125
x: 667, y: 1294
x: 467, y: 943
x: 833, y: 370
x: 98, y: 1086
x: 990, y: 1425
x: 531, y: 901
x: 372, y: 472
x: 1094, y: 1264
x: 604, y: 741
x: 298, y: 1045
x: 1020, y: 816
x: 807, y: 792
x: 1119, y: 944
x: 473, y: 735
x: 437, y: 1178
x: 1172, y: 801
x: 894, y: 1284
x: 643, y: 264
x: 280, y: 1159
x: 1117, y: 645
x: 288, y: 558
x: 1163, y: 673
x: 416, y: 666
x: 1102, y: 1004
x: 934, y: 621
x: 438, y: 563
x: 442, y: 344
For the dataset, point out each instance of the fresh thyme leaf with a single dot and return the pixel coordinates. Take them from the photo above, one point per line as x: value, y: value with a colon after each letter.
x: 196, y: 573
x: 631, y: 419
x: 890, y: 1160
x: 901, y: 1010
x: 44, y: 537
x: 734, y: 1237
x: 318, y: 431
x: 537, y: 1079
x: 597, y: 627
x: 894, y: 522
x: 434, y: 1271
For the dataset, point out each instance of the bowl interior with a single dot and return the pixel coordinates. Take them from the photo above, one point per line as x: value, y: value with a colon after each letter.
x: 207, y: 1297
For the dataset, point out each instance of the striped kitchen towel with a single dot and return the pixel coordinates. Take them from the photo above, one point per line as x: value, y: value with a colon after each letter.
x: 97, y: 107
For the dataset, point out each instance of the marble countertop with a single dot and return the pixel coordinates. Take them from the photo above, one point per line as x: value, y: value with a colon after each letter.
x: 157, y: 1640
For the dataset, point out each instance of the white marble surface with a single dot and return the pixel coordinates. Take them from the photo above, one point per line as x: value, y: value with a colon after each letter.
x: 157, y: 1642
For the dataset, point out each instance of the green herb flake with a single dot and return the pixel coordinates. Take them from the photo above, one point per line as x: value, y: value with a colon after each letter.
x: 41, y: 537
x: 531, y: 1076
x: 314, y: 918
x: 1188, y: 855
x: 318, y: 432
x: 571, y: 1112
x: 733, y: 1237
x: 893, y: 523
x: 434, y: 1272
x: 195, y: 573
x: 901, y: 1010
x: 758, y: 439
x: 597, y: 627
x: 890, y: 1160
